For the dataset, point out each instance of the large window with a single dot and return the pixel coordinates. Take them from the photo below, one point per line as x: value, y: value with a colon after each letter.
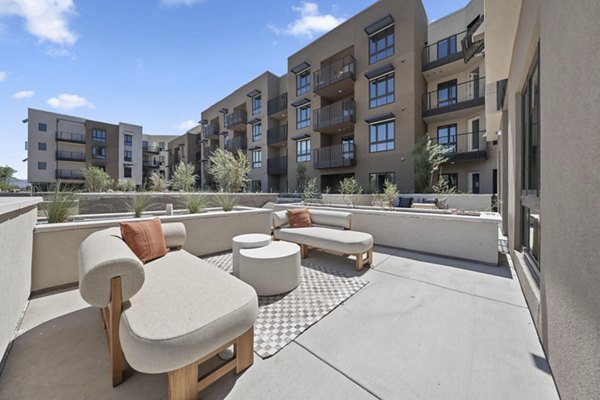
x: 530, y: 169
x: 303, y: 117
x: 42, y: 127
x: 377, y: 180
x: 303, y: 82
x: 451, y: 180
x: 303, y: 150
x: 446, y: 47
x: 256, y: 185
x: 42, y: 165
x: 256, y: 132
x: 128, y: 155
x: 256, y: 159
x: 98, y: 135
x: 42, y: 146
x: 381, y: 45
x: 128, y: 139
x: 381, y: 91
x: 98, y: 152
x: 446, y: 137
x: 256, y: 104
x: 127, y: 172
x: 446, y: 93
x: 348, y: 148
x: 381, y: 136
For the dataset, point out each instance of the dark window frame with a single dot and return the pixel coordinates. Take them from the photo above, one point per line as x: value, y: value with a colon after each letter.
x: 451, y: 178
x: 303, y: 116
x: 42, y: 146
x: 256, y: 158
x: 303, y: 82
x: 375, y: 177
x: 256, y: 104
x: 257, y: 136
x: 385, y: 38
x: 303, y: 150
x: 450, y: 46
x: 128, y: 139
x: 125, y: 169
x: 127, y: 153
x: 101, y: 155
x: 42, y: 127
x: 451, y: 88
x: 449, y: 144
x: 377, y: 99
x: 388, y: 142
x: 98, y: 135
x: 42, y: 165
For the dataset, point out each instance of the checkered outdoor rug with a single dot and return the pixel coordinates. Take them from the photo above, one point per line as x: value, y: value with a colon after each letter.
x: 282, y: 318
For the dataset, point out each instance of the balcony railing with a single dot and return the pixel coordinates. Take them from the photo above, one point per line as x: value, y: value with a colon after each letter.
x: 236, y: 143
x: 334, y: 72
x: 207, y: 151
x: 335, y: 115
x: 277, y: 135
x: 211, y: 130
x: 277, y: 104
x: 463, y: 146
x: 70, y: 137
x: 150, y: 164
x: 443, y: 51
x: 69, y: 174
x: 235, y: 119
x: 151, y: 149
x: 70, y: 155
x: 277, y: 165
x: 341, y: 155
x: 453, y: 98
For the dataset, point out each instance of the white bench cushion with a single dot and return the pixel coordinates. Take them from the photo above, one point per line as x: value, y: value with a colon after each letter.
x: 185, y: 309
x: 347, y: 242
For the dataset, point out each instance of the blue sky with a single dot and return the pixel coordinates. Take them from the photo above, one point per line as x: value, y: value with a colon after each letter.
x: 156, y: 63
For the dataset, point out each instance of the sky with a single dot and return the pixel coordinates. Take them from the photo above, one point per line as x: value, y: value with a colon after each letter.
x: 155, y: 63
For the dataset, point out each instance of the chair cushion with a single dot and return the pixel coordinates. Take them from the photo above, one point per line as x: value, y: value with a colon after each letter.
x: 299, y: 218
x: 347, y: 242
x: 405, y: 202
x: 185, y: 309
x: 145, y: 239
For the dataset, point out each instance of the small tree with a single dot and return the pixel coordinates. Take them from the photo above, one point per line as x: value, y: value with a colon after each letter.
x: 6, y: 174
x: 350, y: 190
x: 157, y: 183
x: 125, y: 185
x: 301, y: 177
x: 428, y: 158
x: 96, y: 179
x: 310, y: 193
x: 229, y: 171
x: 390, y: 193
x: 184, y: 178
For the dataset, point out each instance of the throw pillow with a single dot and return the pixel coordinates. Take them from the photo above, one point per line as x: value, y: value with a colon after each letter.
x: 299, y: 218
x: 145, y: 239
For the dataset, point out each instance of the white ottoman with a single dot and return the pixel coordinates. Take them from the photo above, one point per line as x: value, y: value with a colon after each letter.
x: 271, y: 270
x: 247, y: 241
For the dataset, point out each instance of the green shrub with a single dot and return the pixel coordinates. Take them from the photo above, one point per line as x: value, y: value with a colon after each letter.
x: 226, y: 202
x: 138, y: 204
x: 96, y: 179
x: 229, y: 172
x: 157, y: 183
x: 195, y: 203
x: 350, y: 190
x: 125, y: 185
x: 184, y: 178
x: 310, y: 193
x: 61, y: 206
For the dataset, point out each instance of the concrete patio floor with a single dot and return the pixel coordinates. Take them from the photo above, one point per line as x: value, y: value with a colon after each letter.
x: 424, y: 327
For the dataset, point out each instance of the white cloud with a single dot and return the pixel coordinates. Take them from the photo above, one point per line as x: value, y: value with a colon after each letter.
x: 188, y: 3
x: 310, y: 23
x: 46, y: 19
x: 23, y: 94
x: 60, y: 52
x: 2, y: 76
x: 66, y: 101
x: 186, y: 125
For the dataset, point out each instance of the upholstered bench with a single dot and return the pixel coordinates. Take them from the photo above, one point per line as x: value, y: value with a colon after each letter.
x: 168, y: 315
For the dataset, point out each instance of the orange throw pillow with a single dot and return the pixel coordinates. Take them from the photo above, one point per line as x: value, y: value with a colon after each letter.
x: 299, y: 218
x: 145, y: 239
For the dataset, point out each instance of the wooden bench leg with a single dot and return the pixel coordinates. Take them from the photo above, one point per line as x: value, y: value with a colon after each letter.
x: 112, y: 330
x: 244, y: 350
x: 303, y: 251
x: 183, y: 383
x: 359, y: 261
x: 369, y: 257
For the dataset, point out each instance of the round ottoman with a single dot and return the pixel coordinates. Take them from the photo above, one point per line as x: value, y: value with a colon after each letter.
x: 247, y: 241
x: 271, y: 270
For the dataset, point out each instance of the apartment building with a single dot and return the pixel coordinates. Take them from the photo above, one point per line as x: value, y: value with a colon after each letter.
x: 61, y: 146
x: 187, y: 149
x: 155, y: 155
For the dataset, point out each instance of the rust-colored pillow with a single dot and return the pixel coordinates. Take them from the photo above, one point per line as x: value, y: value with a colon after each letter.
x: 145, y: 239
x: 299, y: 218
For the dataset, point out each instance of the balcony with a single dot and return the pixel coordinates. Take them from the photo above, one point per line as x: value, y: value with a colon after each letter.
x: 62, y: 155
x: 277, y: 165
x: 277, y: 106
x: 336, y: 117
x: 443, y: 52
x: 211, y: 131
x: 335, y: 78
x: 207, y: 151
x: 150, y: 164
x: 468, y: 146
x: 237, y: 120
x: 277, y: 136
x: 151, y: 149
x: 335, y: 156
x: 70, y: 137
x: 236, y: 143
x: 456, y: 99
x: 73, y: 174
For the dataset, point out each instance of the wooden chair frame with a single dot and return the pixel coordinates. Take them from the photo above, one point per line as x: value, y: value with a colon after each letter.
x: 184, y: 383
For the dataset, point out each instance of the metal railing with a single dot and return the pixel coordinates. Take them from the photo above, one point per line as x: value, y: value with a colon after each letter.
x: 70, y: 137
x: 277, y: 104
x: 341, y: 155
x: 150, y: 163
x: 277, y: 165
x: 445, y: 50
x: 236, y: 118
x: 277, y: 135
x: 211, y: 130
x: 70, y: 155
x: 334, y: 72
x: 236, y: 143
x: 468, y: 145
x: 207, y: 150
x: 334, y: 114
x: 69, y: 174
x: 462, y: 95
x: 151, y: 149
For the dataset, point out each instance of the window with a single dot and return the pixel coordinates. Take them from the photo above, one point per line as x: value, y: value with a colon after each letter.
x: 303, y: 117
x: 303, y: 82
x: 42, y: 146
x: 446, y: 93
x: 446, y: 47
x: 377, y: 180
x: 145, y: 144
x: 348, y: 148
x: 381, y: 91
x: 128, y: 139
x: 303, y: 150
x: 42, y: 128
x: 128, y: 155
x: 381, y: 45
x: 41, y: 164
x: 98, y: 152
x: 161, y: 146
x: 256, y: 159
x: 381, y: 136
x: 255, y: 186
x: 256, y: 104
x: 98, y: 135
x: 256, y: 132
x: 127, y: 172
x: 451, y: 180
x: 446, y: 137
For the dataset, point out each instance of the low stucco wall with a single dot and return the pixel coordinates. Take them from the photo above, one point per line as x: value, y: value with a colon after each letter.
x: 466, y: 237
x: 17, y: 221
x: 468, y: 202
x: 55, y: 246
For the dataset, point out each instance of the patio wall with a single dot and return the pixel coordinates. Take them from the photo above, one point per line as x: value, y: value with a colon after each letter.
x: 471, y: 202
x: 55, y: 246
x: 458, y: 236
x: 17, y: 221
